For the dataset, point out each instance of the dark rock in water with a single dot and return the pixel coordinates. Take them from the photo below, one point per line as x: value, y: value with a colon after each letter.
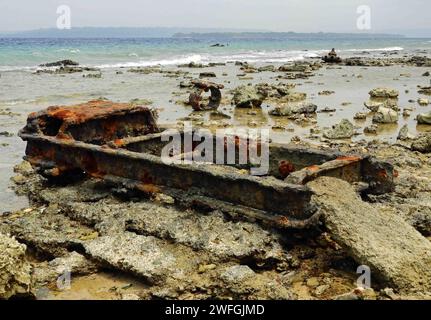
x: 216, y: 64
x: 207, y: 75
x: 426, y: 74
x: 93, y: 75
x: 332, y: 57
x: 191, y: 65
x: 217, y: 45
x: 61, y: 63
x: 327, y: 110
x: 425, y: 90
x: 6, y: 134
x: 66, y: 70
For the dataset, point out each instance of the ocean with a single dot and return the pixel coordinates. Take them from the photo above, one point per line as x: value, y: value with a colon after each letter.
x: 16, y: 54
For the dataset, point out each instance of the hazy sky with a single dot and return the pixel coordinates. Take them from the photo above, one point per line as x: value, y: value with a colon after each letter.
x: 275, y: 15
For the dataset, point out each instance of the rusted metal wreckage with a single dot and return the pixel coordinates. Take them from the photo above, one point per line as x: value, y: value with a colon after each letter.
x: 122, y: 144
x: 195, y: 98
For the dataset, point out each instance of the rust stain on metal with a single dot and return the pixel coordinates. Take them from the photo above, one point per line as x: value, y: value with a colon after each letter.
x: 285, y: 168
x: 349, y: 158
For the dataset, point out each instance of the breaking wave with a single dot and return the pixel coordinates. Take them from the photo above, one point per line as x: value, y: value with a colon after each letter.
x: 151, y: 63
x: 376, y: 50
x: 252, y: 56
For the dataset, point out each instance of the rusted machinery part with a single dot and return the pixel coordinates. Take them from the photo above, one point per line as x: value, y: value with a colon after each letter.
x: 347, y: 164
x: 204, y: 203
x: 195, y: 97
x: 378, y: 175
x: 97, y: 121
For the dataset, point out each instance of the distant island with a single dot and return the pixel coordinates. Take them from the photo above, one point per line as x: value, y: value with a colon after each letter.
x: 195, y: 33
x: 285, y: 35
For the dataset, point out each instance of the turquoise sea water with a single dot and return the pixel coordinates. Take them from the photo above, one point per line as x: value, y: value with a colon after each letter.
x: 106, y: 53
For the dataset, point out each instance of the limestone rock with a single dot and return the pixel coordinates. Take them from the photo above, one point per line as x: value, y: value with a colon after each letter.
x: 385, y: 115
x: 343, y: 130
x: 290, y: 109
x: 247, y: 97
x: 422, y: 143
x: 384, y: 93
x: 423, y: 102
x: 374, y: 105
x: 424, y: 118
x: 383, y: 241
x: 15, y: 271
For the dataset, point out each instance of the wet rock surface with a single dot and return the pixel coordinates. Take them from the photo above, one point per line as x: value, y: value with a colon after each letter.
x: 15, y: 271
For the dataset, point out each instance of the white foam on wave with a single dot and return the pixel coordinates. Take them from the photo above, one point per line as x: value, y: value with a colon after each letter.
x: 252, y: 56
x: 69, y: 50
x: 151, y: 63
x: 17, y: 68
x: 376, y: 50
x: 280, y: 56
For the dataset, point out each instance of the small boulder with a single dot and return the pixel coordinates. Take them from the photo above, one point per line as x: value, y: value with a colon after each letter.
x: 360, y: 116
x: 424, y: 118
x: 422, y: 143
x: 15, y: 271
x: 385, y: 115
x: 61, y: 63
x: 372, y: 129
x: 207, y: 75
x: 290, y: 109
x: 424, y: 90
x: 344, y: 130
x: 423, y: 102
x: 384, y: 93
x: 247, y: 97
x: 404, y: 134
x: 373, y: 106
x: 268, y: 68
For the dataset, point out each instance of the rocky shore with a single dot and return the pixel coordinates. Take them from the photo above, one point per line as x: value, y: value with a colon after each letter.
x: 115, y: 245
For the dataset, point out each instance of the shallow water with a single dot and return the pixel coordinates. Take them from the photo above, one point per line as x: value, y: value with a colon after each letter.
x: 23, y: 92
